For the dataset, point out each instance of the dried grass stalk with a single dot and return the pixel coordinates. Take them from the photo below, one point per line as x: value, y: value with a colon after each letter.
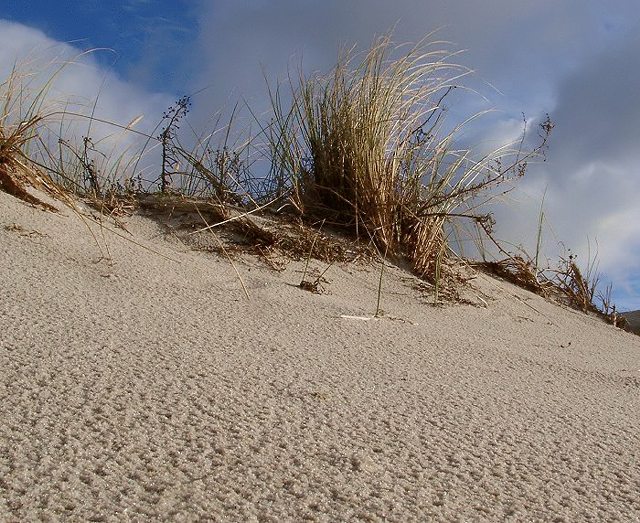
x: 362, y: 147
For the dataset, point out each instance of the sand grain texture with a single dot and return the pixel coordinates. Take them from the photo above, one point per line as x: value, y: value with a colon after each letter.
x: 152, y: 388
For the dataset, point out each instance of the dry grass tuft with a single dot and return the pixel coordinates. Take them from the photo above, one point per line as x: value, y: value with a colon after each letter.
x: 579, y: 290
x: 518, y: 271
x: 15, y: 184
x: 362, y: 148
x: 17, y: 172
x: 566, y: 284
x: 22, y: 121
x: 265, y: 234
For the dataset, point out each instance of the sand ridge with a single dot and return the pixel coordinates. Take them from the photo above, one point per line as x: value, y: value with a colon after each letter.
x: 140, y: 384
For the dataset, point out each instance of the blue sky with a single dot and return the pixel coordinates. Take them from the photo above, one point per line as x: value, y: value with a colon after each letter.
x: 148, y: 38
x: 574, y: 59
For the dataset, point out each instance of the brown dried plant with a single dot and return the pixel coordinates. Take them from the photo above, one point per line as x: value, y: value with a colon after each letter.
x: 362, y: 148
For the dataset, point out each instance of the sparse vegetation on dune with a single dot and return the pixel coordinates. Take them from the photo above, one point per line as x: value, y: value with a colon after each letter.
x: 364, y: 149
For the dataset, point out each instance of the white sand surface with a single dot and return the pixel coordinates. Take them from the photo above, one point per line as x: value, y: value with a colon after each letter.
x: 143, y: 387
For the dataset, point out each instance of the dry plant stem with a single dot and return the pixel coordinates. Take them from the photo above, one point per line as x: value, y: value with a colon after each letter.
x: 379, y: 298
x: 208, y: 227
x: 234, y: 218
x: 104, y: 241
x: 319, y: 278
x: 539, y: 235
x: 438, y: 274
x: 313, y: 244
x: 306, y: 265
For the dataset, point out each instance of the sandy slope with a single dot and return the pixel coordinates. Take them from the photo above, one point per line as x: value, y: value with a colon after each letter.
x: 153, y: 387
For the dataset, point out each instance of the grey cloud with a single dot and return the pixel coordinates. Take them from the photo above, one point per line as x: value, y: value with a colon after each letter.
x: 597, y: 113
x: 591, y: 175
x: 515, y: 45
x: 574, y: 59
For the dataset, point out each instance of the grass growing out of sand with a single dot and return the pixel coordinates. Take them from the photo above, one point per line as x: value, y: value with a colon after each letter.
x: 363, y: 148
x: 19, y: 126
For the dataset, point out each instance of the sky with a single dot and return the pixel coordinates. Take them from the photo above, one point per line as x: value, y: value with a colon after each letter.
x: 573, y: 59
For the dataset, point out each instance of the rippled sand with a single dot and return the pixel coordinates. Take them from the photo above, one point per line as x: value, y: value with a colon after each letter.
x: 148, y: 386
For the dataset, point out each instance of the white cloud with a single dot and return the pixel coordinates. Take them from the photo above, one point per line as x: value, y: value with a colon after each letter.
x: 78, y: 80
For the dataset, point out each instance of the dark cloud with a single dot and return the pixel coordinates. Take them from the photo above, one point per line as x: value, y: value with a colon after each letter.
x: 598, y: 100
x: 574, y: 59
x: 515, y: 45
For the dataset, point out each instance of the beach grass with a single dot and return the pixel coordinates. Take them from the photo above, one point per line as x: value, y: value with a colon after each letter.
x: 365, y: 147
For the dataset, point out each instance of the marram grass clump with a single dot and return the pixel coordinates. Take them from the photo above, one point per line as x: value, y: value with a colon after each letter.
x: 364, y: 147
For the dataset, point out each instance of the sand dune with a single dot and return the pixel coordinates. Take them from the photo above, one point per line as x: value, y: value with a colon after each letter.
x: 142, y: 383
